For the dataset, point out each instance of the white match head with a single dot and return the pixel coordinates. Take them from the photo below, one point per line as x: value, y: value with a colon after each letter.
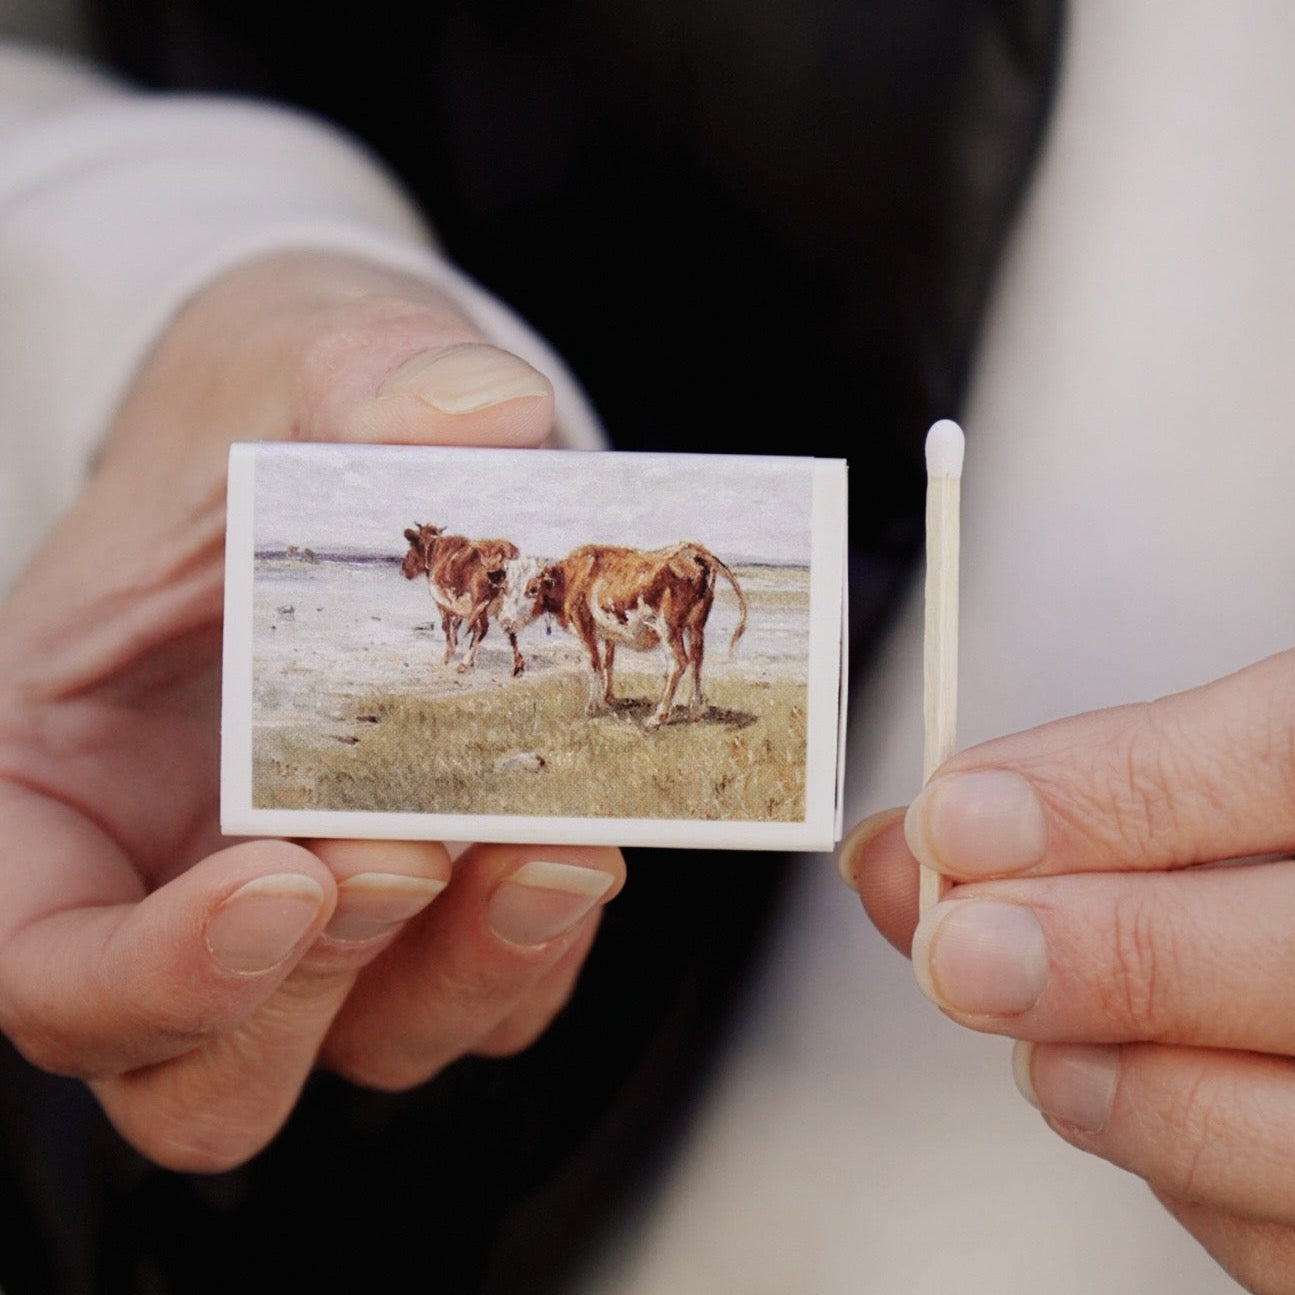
x: 944, y: 446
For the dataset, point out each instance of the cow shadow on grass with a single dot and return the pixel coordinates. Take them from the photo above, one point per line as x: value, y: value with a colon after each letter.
x: 641, y: 709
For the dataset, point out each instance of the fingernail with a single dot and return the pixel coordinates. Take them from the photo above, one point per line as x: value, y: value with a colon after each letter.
x: 862, y: 835
x: 263, y: 921
x: 1022, y: 1055
x: 981, y: 824
x: 371, y: 903
x: 541, y: 900
x: 979, y: 957
x: 1071, y: 1082
x: 470, y: 376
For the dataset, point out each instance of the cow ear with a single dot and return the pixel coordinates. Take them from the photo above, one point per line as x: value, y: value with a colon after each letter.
x: 411, y: 535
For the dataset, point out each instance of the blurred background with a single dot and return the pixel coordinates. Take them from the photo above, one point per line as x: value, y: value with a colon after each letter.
x: 1126, y: 533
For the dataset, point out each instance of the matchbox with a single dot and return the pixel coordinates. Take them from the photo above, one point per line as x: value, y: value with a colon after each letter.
x: 534, y: 645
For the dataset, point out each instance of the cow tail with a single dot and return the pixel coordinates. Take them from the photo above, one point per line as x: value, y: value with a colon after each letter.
x: 741, y: 601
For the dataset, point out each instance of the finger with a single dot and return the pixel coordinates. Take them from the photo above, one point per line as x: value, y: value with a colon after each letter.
x: 1202, y: 1126
x: 1196, y: 777
x: 1260, y: 1255
x: 380, y: 886
x: 541, y: 1005
x: 874, y: 860
x: 1199, y: 957
x: 509, y: 916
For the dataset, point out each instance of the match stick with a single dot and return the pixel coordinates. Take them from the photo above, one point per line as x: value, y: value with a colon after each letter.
x: 944, y: 450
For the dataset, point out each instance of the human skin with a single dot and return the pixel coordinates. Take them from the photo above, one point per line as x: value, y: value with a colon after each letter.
x: 1122, y: 908
x: 195, y: 982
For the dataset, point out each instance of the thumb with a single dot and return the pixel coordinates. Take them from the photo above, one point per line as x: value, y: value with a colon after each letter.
x: 390, y: 357
x: 875, y: 861
x: 230, y: 1092
x: 106, y: 987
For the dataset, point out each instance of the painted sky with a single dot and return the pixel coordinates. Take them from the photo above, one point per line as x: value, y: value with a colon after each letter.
x: 333, y: 498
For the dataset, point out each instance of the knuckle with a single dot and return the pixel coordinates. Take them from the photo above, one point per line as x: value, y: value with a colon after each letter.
x: 181, y: 1025
x: 1140, y: 962
x: 320, y: 356
x: 1145, y: 807
x: 175, y: 1123
x: 1198, y: 1117
x: 1138, y: 805
x: 160, y: 1026
x: 378, y: 1055
x: 196, y: 1146
x: 1276, y: 749
x: 513, y: 1035
x: 459, y: 997
x: 388, y: 1070
x: 1132, y: 804
x: 1168, y: 787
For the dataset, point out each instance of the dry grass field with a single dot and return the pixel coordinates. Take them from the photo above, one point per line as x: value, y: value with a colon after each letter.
x: 529, y: 748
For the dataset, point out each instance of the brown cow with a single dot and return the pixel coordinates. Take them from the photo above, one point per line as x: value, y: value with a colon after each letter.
x: 610, y: 595
x: 466, y: 581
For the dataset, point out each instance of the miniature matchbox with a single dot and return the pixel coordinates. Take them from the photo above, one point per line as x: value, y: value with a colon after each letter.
x: 535, y: 646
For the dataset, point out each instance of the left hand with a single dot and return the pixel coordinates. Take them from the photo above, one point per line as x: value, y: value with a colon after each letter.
x: 195, y: 982
x: 1124, y: 906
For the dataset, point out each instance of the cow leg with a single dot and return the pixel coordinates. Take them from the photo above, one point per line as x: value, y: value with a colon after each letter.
x: 470, y: 658
x: 450, y: 625
x: 478, y: 622
x: 518, y: 663
x: 595, y: 703
x: 677, y: 666
x: 476, y: 632
x: 609, y: 655
x: 597, y: 691
x: 696, y: 650
x: 597, y: 685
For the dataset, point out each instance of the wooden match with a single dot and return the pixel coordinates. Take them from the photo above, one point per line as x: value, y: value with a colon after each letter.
x: 944, y: 452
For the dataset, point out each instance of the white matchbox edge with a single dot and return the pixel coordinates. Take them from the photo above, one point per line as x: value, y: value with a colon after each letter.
x: 818, y: 830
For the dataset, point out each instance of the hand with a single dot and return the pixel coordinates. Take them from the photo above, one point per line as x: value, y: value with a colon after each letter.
x: 1096, y: 919
x: 194, y: 982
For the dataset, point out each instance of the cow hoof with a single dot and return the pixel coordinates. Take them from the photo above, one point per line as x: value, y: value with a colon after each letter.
x: 518, y: 669
x: 464, y: 667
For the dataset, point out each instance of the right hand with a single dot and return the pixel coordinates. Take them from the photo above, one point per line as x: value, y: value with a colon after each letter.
x: 1122, y: 906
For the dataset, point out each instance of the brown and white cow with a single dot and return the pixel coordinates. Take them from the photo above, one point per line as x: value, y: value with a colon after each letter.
x: 466, y: 579
x: 609, y: 595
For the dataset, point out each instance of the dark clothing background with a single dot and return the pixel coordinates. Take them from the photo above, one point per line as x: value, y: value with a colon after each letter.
x: 749, y: 225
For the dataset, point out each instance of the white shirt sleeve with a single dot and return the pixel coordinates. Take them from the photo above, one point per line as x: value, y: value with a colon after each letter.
x: 116, y: 205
